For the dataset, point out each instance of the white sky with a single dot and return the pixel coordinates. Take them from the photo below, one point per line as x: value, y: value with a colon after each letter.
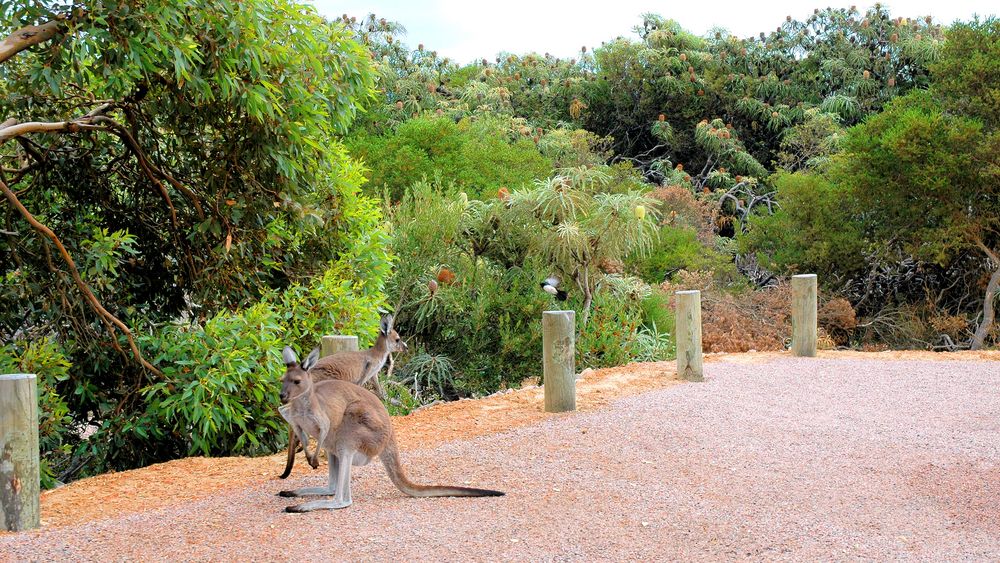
x: 469, y: 29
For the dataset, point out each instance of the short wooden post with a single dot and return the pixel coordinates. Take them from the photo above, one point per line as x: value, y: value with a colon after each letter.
x: 559, y: 360
x: 689, y: 336
x: 338, y: 343
x: 19, y: 476
x: 804, y: 315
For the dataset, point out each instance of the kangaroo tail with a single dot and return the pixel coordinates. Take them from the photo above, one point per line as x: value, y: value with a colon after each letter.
x: 390, y: 458
x: 292, y: 443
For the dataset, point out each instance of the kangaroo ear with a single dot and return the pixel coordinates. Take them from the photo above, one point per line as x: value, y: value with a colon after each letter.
x: 288, y: 356
x: 386, y: 324
x: 311, y: 359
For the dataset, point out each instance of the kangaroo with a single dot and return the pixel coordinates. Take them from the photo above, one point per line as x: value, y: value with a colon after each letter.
x: 354, y: 427
x: 355, y: 367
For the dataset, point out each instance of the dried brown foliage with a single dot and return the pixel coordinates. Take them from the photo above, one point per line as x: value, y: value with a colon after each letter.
x: 678, y: 206
x: 838, y: 319
x: 753, y: 320
x: 955, y: 326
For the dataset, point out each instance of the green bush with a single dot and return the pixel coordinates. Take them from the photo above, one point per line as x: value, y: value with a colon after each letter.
x: 610, y: 338
x: 675, y: 249
x: 813, y: 231
x: 477, y: 157
x: 222, y: 378
x: 56, y: 431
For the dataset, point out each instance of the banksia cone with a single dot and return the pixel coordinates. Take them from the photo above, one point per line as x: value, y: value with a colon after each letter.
x: 683, y: 57
x: 774, y: 114
x: 503, y: 194
x: 661, y: 118
x: 611, y: 266
x: 679, y: 167
x: 866, y: 74
x: 432, y: 286
x: 640, y: 212
x: 420, y: 47
x: 399, y: 105
x: 446, y: 276
x: 701, y: 92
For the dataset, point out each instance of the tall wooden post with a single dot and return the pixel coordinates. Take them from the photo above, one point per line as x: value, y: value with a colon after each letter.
x: 804, y: 315
x: 559, y: 360
x: 19, y: 476
x: 338, y: 343
x: 688, y: 336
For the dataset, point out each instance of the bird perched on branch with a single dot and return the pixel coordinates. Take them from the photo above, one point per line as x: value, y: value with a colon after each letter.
x: 551, y: 286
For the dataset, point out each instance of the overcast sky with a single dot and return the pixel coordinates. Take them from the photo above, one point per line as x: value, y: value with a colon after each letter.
x: 468, y: 29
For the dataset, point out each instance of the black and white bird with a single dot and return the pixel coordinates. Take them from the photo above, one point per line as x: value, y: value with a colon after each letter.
x: 551, y: 286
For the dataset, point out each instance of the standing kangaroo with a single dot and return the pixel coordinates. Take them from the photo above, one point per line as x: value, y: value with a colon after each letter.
x: 354, y: 427
x: 355, y: 367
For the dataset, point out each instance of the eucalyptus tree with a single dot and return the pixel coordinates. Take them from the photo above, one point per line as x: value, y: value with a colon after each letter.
x: 165, y: 160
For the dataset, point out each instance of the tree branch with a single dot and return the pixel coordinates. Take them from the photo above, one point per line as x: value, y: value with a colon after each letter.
x: 29, y: 36
x: 152, y: 171
x: 95, y: 304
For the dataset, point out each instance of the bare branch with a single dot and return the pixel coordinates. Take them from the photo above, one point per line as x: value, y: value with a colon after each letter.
x: 14, y: 131
x: 28, y: 37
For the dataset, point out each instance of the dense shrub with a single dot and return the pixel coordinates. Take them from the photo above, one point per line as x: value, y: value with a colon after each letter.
x: 478, y: 156
x: 56, y: 431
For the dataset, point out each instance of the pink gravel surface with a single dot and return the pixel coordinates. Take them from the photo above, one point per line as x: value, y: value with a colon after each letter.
x: 793, y: 459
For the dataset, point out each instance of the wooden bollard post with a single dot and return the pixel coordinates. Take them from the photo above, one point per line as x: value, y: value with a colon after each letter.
x: 338, y: 343
x: 19, y: 476
x: 804, y: 315
x: 688, y: 335
x: 559, y: 360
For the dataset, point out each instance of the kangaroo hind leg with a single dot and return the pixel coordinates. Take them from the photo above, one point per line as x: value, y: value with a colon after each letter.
x: 329, y: 489
x: 342, y: 486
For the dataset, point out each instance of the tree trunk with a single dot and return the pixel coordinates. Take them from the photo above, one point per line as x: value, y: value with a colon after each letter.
x: 989, y: 312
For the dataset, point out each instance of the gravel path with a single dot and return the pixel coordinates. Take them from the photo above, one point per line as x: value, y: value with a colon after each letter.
x: 794, y: 459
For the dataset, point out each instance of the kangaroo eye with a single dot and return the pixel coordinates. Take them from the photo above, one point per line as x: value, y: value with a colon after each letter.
x: 297, y: 381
